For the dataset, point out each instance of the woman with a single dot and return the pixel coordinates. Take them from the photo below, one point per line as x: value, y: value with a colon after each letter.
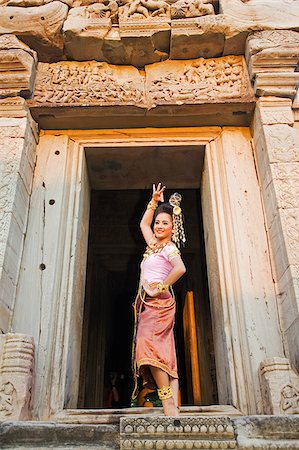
x: 154, y: 356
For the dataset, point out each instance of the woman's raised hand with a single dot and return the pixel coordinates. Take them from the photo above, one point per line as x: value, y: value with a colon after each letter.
x: 158, y: 195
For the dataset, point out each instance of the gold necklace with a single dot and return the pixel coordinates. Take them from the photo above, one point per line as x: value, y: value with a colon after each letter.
x: 155, y: 249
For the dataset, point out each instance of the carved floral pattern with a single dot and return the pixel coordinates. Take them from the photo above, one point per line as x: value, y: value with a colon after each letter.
x: 7, y: 398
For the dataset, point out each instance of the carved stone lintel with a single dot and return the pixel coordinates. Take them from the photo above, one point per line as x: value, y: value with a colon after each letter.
x: 16, y: 376
x: 279, y: 387
x: 17, y: 67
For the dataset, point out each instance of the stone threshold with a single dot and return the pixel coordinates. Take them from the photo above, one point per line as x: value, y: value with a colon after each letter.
x: 154, y: 431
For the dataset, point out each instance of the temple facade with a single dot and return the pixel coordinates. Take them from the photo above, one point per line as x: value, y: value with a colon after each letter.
x: 98, y: 100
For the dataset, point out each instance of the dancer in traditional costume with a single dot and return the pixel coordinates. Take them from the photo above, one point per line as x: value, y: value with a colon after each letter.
x: 154, y: 355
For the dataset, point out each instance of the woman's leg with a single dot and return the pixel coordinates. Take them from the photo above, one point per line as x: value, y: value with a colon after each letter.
x: 174, y: 383
x: 162, y: 379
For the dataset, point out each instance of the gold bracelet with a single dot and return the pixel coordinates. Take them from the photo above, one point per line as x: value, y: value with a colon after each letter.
x: 152, y: 205
x: 162, y: 287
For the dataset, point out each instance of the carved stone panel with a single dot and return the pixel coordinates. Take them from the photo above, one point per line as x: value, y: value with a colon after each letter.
x: 16, y: 376
x: 198, y: 81
x: 17, y: 67
x: 88, y: 84
x: 175, y: 433
x: 280, y: 387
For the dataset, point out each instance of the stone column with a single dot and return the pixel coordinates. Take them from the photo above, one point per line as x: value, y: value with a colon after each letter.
x: 18, y: 139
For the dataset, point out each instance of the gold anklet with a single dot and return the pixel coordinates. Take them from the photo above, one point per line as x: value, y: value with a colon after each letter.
x: 165, y: 392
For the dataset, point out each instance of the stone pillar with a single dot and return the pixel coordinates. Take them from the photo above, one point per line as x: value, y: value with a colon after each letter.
x: 18, y: 139
x: 277, y: 160
x: 16, y: 368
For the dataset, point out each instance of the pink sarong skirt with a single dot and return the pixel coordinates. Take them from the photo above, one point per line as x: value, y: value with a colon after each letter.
x: 154, y: 339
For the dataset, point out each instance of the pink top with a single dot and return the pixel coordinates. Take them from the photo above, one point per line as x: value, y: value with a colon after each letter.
x: 156, y: 266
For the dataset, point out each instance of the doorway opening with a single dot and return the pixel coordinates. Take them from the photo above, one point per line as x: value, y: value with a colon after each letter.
x: 121, y: 181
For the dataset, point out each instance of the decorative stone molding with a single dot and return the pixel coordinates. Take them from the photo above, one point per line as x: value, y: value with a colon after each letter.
x: 171, y: 433
x: 279, y: 387
x: 16, y: 376
x: 17, y: 67
x: 38, y: 26
x: 272, y: 58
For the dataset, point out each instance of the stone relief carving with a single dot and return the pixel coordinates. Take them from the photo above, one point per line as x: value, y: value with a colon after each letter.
x: 289, y: 399
x: 7, y: 398
x: 182, y: 9
x: 143, y: 9
x: 179, y: 82
x: 199, y: 81
x: 282, y: 143
x: 88, y: 83
x: 279, y: 387
x: 16, y: 371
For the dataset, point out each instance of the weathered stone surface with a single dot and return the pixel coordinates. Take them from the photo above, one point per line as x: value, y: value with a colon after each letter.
x: 279, y: 387
x: 17, y: 67
x: 39, y: 27
x: 16, y: 376
x: 264, y: 432
x: 280, y: 14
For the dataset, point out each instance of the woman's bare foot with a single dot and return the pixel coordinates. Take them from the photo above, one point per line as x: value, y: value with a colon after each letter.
x: 169, y: 408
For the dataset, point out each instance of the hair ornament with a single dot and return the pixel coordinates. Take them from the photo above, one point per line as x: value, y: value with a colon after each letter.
x: 178, y: 236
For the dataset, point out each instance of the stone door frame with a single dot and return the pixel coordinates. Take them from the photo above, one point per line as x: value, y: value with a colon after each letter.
x: 237, y: 382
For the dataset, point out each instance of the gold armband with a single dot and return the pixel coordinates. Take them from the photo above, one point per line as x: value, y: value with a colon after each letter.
x: 162, y: 287
x: 152, y: 205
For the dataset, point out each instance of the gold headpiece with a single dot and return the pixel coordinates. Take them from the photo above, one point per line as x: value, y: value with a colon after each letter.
x: 177, y: 219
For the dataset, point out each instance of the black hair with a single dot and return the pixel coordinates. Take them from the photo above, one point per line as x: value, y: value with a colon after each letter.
x: 164, y: 208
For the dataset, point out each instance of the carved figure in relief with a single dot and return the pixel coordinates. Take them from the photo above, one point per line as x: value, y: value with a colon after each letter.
x: 188, y: 8
x: 154, y: 355
x: 201, y: 79
x: 290, y: 399
x: 144, y: 8
x: 7, y: 391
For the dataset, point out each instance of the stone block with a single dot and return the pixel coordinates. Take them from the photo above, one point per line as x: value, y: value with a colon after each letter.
x: 279, y: 387
x: 291, y: 337
x: 16, y: 376
x: 281, y: 143
x: 17, y: 67
x: 86, y: 29
x: 288, y: 297
x: 183, y: 9
x: 279, y: 84
x: 273, y: 111
x: 267, y: 432
x: 284, y: 240
x: 190, y: 39
x: 7, y: 294
x: 37, y: 26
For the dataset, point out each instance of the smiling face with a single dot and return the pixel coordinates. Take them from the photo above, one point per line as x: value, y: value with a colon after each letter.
x: 163, y: 226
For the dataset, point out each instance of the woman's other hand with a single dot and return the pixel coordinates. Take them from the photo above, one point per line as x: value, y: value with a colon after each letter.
x: 158, y: 193
x: 151, y: 289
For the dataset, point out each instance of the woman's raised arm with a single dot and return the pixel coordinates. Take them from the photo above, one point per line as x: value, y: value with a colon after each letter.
x: 148, y: 216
